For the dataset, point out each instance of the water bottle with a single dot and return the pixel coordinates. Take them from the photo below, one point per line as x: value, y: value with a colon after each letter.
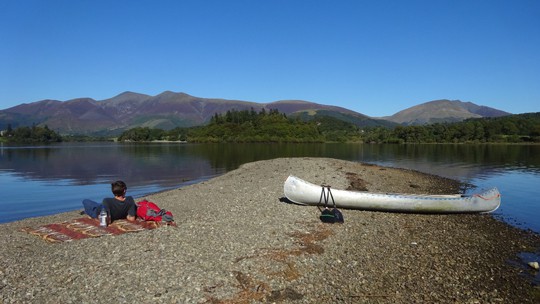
x: 103, y: 217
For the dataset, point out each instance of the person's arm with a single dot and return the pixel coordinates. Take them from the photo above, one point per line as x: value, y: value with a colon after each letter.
x: 132, y: 212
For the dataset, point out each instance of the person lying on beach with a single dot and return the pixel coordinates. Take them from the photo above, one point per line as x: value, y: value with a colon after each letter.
x: 121, y: 206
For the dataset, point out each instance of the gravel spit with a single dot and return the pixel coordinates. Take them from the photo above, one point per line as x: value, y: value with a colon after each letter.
x: 237, y: 242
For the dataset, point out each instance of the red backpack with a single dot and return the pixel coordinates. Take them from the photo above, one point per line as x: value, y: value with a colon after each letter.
x: 149, y: 211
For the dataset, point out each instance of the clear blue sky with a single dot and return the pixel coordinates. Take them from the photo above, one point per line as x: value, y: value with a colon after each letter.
x: 374, y: 57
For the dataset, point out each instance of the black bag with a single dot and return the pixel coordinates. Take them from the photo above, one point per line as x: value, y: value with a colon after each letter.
x: 329, y: 215
x: 338, y: 215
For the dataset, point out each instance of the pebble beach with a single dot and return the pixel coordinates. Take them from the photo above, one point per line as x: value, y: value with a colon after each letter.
x: 238, y: 241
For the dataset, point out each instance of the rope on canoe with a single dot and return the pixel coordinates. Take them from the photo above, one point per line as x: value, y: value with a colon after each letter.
x: 487, y: 198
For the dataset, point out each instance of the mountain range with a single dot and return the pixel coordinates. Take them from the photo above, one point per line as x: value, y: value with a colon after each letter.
x: 170, y: 109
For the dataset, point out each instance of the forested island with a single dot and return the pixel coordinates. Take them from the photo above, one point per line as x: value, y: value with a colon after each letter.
x: 273, y: 126
x: 34, y: 134
x: 250, y: 126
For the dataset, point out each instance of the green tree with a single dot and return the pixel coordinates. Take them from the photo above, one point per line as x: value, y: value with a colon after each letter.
x: 34, y: 134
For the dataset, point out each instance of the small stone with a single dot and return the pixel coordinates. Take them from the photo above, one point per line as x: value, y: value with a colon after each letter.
x: 534, y: 265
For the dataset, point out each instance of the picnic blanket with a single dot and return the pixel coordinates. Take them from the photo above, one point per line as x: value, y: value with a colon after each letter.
x: 82, y: 228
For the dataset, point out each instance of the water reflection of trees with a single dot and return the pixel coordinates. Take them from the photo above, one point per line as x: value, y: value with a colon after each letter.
x: 171, y: 163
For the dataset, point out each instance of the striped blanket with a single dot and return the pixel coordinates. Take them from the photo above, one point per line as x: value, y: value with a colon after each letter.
x: 86, y: 227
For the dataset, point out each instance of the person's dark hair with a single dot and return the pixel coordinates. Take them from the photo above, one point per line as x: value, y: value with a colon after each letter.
x: 118, y: 188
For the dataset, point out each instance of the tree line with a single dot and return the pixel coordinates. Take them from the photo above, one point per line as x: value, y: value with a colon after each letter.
x: 507, y: 129
x: 272, y: 126
x: 34, y: 134
x: 252, y: 126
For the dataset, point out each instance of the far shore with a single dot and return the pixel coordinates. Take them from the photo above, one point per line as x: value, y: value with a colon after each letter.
x: 237, y: 241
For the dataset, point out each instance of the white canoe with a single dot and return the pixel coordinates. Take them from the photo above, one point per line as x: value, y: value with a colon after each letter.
x: 305, y: 193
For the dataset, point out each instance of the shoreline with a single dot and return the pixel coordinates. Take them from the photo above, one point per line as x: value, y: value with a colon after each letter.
x: 236, y: 242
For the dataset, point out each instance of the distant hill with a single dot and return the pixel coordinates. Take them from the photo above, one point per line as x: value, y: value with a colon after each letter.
x: 165, y: 111
x: 168, y: 110
x: 443, y: 111
x: 309, y: 110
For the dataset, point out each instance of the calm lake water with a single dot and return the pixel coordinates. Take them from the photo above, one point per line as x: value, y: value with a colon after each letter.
x: 43, y: 180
